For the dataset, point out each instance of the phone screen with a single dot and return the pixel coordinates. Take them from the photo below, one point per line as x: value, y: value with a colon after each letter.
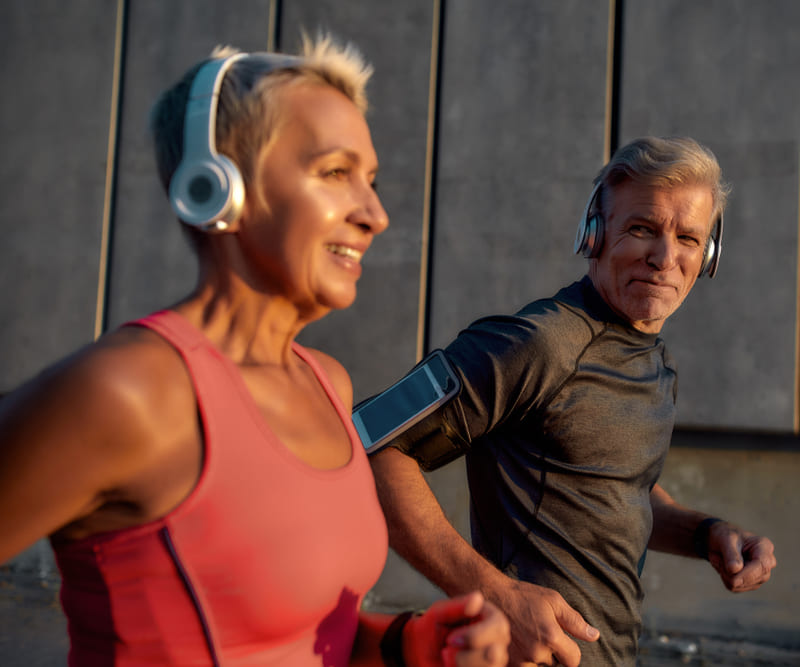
x: 398, y: 404
x: 414, y: 396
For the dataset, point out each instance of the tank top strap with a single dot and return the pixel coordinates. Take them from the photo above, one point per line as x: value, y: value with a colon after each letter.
x: 174, y: 327
x: 327, y: 385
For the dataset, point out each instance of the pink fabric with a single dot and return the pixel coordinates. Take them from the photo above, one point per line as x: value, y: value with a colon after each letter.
x: 265, y: 563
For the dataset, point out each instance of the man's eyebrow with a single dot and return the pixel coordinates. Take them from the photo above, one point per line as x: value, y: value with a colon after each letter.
x: 649, y: 218
x: 641, y: 217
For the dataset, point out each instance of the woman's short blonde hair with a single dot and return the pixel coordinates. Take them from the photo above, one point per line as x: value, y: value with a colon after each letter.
x: 248, y: 105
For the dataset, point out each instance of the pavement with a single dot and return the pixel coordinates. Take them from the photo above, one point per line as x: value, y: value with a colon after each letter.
x: 33, y: 633
x: 33, y: 630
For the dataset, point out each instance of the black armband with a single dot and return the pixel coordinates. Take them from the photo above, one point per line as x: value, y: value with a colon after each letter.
x: 700, y: 537
x: 432, y: 443
x: 410, y: 415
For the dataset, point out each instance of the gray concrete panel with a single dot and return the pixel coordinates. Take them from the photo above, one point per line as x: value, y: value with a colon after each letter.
x: 152, y: 264
x: 376, y: 338
x: 57, y: 79
x: 522, y: 131
x: 755, y: 488
x: 725, y: 72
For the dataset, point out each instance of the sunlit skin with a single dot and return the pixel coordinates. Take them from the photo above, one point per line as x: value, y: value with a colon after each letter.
x: 303, y: 235
x: 653, y: 250
x: 124, y: 411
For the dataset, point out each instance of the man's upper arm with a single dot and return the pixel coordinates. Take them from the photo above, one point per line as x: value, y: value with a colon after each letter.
x: 508, y: 366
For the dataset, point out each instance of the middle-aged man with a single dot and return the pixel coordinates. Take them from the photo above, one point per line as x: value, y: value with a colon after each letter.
x: 566, y: 411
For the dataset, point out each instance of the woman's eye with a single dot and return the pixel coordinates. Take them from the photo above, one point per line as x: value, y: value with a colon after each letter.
x: 336, y: 172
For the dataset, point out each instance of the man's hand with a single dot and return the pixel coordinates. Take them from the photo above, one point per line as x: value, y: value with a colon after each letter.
x: 744, y: 560
x: 541, y: 624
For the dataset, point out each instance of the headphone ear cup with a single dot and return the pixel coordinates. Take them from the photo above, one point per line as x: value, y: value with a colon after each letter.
x: 708, y: 259
x: 596, y: 229
x: 208, y: 192
x: 589, y: 239
x: 708, y: 256
x: 713, y: 250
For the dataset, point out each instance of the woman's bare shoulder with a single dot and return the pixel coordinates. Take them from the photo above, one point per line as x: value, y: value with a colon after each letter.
x: 114, y: 391
x: 98, y: 420
x: 337, y: 374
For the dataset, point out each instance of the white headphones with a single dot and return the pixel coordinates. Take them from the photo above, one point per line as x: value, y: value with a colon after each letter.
x: 589, y: 239
x: 207, y: 189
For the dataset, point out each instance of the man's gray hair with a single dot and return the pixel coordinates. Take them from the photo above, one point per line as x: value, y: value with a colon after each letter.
x: 667, y: 162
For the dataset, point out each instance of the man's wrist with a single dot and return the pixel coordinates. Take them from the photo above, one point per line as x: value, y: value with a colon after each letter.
x: 700, y: 536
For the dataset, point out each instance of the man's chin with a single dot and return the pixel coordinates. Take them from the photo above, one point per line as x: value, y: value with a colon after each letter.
x: 650, y: 319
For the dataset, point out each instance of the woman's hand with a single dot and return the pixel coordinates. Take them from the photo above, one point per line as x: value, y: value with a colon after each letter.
x: 466, y: 631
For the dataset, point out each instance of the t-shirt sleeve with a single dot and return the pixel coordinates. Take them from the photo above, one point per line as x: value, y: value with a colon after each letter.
x: 509, y: 366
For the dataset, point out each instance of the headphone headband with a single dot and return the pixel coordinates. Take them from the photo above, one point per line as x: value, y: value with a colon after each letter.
x: 207, y: 189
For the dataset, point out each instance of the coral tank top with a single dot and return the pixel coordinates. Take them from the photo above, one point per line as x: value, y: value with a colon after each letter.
x: 265, y: 563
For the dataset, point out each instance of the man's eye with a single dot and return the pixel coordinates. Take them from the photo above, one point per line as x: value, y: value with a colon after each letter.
x: 640, y: 230
x: 336, y: 172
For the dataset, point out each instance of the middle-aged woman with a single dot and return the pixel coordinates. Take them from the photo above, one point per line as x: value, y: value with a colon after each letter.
x: 196, y: 471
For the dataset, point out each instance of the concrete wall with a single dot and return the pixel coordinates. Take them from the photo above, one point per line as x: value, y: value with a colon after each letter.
x: 490, y: 119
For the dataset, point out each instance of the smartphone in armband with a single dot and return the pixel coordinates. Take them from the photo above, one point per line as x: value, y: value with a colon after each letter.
x: 429, y: 385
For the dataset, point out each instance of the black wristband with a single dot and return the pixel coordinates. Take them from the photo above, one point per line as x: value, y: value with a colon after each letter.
x: 392, y: 641
x: 700, y: 537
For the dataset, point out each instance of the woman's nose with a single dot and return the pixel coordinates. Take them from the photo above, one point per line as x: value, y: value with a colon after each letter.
x: 371, y: 212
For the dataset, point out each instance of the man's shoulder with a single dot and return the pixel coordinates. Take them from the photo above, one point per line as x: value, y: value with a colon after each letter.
x: 554, y: 327
x: 563, y: 317
x: 544, y: 329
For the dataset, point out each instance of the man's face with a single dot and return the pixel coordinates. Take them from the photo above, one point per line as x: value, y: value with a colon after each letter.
x: 653, y: 249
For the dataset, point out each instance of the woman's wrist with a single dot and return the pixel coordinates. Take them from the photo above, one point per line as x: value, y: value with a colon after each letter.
x: 392, y: 642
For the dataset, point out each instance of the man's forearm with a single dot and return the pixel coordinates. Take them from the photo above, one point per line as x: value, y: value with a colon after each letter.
x: 542, y: 624
x: 674, y: 526
x: 420, y: 532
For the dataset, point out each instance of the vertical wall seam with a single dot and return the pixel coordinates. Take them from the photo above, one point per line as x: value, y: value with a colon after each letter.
x: 273, y: 26
x: 613, y: 77
x: 106, y: 233
x: 428, y: 204
x: 796, y: 424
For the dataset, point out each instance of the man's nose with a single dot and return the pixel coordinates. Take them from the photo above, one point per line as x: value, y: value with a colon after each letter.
x: 663, y: 253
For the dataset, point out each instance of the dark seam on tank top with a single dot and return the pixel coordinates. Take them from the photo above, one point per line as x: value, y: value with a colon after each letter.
x: 192, y: 595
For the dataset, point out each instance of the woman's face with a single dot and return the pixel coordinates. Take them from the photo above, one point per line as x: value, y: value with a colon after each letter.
x: 304, y: 237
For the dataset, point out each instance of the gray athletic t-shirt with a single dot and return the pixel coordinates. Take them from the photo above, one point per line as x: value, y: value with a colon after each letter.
x: 570, y: 414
